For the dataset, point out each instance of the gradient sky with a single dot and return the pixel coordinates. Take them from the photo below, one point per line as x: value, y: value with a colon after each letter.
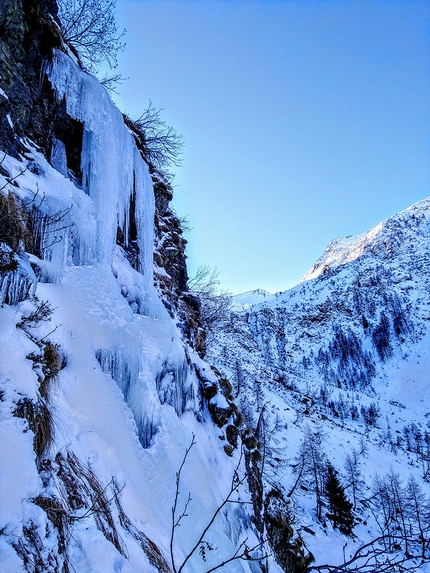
x: 303, y: 121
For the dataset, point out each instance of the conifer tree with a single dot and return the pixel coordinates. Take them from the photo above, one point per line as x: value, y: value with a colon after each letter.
x: 340, y: 508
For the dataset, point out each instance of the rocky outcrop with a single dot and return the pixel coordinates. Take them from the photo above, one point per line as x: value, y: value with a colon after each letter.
x: 170, y: 268
x: 288, y: 547
x: 29, y: 29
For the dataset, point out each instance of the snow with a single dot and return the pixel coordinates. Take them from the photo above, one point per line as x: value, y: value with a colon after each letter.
x: 126, y: 402
x: 18, y: 475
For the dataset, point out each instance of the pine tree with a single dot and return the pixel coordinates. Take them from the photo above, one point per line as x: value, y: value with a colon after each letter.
x: 340, y: 508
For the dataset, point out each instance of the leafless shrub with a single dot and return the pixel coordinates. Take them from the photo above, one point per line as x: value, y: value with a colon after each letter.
x: 111, y: 82
x: 53, y: 362
x: 84, y: 497
x: 35, y: 555
x: 85, y: 492
x: 151, y: 550
x: 215, y: 303
x: 12, y: 226
x: 58, y: 515
x: 44, y: 230
x: 41, y: 313
x: 24, y: 225
x: 40, y: 422
x: 89, y: 26
x: 162, y: 145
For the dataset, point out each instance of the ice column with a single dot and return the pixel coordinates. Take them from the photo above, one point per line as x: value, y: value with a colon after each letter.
x: 112, y: 170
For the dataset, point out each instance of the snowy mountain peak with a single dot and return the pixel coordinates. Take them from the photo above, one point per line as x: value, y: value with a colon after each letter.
x: 400, y: 232
x: 245, y: 300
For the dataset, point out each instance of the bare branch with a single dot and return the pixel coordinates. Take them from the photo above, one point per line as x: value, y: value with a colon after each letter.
x: 244, y: 555
x: 89, y: 26
x: 215, y: 304
x: 12, y: 179
x: 377, y: 556
x: 235, y: 484
x: 162, y: 144
x: 176, y: 522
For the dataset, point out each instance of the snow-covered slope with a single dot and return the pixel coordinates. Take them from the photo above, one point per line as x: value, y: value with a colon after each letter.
x: 346, y: 354
x: 101, y: 395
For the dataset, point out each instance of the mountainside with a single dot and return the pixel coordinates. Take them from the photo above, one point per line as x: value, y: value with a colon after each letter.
x: 114, y: 431
x: 345, y: 356
x: 362, y: 305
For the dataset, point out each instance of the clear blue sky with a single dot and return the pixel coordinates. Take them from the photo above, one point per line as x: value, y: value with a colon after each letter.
x: 303, y: 121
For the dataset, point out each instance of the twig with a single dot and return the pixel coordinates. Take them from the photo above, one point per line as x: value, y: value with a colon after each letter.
x: 244, y: 556
x: 175, y: 523
x: 235, y: 484
x: 9, y: 180
x: 370, y: 555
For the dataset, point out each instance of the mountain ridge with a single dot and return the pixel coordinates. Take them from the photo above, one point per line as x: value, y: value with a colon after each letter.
x: 378, y: 240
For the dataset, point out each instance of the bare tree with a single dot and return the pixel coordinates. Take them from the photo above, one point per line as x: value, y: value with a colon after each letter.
x: 402, y: 514
x: 418, y: 513
x: 311, y: 466
x: 353, y: 475
x: 23, y: 225
x: 389, y: 508
x: 162, y: 144
x: 243, y: 551
x: 215, y: 304
x: 89, y: 26
x: 375, y: 557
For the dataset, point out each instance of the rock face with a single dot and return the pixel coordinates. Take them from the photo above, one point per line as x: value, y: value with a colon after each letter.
x: 28, y: 32
x: 171, y: 271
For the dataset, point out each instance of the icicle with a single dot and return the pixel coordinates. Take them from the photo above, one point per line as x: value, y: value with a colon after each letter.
x: 58, y: 157
x: 113, y: 172
x: 17, y: 285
